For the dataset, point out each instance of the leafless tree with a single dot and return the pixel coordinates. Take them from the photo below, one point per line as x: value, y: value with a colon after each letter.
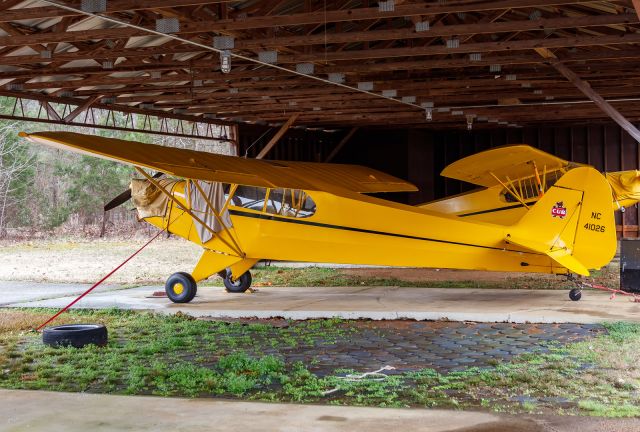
x: 12, y: 165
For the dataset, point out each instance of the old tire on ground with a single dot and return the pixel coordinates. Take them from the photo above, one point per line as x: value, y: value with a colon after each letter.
x: 75, y: 335
x: 180, y: 287
x: 240, y: 285
x: 575, y: 294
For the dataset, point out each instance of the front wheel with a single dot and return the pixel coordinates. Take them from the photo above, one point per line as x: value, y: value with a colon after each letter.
x: 180, y: 287
x: 240, y: 285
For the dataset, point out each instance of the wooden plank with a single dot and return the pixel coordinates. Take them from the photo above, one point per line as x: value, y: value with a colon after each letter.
x: 273, y: 141
x: 341, y: 144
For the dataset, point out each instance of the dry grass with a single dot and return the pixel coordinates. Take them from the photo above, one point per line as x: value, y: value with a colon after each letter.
x: 12, y: 320
x: 86, y: 261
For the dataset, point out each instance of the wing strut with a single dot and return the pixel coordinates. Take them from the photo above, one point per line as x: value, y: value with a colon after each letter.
x: 217, y: 216
x: 188, y: 211
x: 512, y: 190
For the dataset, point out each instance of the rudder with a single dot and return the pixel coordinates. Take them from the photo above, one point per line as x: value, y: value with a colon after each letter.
x: 572, y: 223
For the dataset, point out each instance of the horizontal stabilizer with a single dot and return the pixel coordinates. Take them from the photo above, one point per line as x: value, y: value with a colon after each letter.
x: 560, y: 255
x: 564, y: 258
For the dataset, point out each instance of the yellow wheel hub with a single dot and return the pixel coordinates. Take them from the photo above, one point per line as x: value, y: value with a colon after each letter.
x: 178, y: 288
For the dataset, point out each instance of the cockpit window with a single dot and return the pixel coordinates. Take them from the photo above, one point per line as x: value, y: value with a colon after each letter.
x: 282, y: 201
x: 249, y: 197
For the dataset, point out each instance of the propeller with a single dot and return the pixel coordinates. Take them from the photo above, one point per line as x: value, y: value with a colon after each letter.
x: 125, y: 196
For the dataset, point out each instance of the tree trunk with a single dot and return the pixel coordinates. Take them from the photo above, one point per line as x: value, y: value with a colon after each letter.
x: 3, y: 207
x: 104, y: 224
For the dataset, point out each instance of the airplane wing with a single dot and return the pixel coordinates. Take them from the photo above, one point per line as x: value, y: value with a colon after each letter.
x: 227, y: 169
x: 514, y: 161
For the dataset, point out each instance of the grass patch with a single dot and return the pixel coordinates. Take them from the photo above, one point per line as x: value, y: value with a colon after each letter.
x: 601, y: 409
x: 181, y: 356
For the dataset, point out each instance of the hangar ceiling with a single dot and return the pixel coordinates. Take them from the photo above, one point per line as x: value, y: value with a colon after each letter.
x: 434, y: 64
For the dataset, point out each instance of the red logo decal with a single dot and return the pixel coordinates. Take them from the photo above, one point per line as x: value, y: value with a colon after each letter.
x: 559, y: 210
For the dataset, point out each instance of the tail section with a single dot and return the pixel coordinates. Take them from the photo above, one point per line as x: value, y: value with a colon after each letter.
x: 572, y: 223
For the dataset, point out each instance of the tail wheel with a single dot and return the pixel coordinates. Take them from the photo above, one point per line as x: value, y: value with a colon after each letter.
x: 180, y: 287
x: 575, y: 294
x: 240, y: 285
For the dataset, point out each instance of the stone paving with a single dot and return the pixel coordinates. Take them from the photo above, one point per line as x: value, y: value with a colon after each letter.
x: 443, y: 346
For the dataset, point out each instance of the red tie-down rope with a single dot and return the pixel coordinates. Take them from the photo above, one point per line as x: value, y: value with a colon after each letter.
x: 64, y: 309
x: 635, y: 297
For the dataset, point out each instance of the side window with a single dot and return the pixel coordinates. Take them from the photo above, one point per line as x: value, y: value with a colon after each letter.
x: 250, y: 197
x: 290, y: 202
x: 285, y: 202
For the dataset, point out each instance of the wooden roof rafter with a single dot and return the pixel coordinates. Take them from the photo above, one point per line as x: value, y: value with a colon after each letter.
x: 360, y: 42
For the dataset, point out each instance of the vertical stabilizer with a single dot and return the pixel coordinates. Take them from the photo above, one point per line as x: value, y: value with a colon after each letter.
x: 572, y: 223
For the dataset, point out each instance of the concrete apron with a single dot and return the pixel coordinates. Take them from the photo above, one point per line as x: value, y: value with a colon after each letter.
x: 23, y: 410
x: 361, y: 302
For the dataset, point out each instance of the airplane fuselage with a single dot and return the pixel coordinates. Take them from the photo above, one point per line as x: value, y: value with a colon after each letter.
x: 362, y: 230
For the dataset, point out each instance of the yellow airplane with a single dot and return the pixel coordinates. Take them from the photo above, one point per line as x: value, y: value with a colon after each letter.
x: 534, y: 212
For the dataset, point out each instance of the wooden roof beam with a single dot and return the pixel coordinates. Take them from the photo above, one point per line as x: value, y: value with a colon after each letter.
x: 482, y: 47
x: 274, y: 140
x: 440, y: 31
x: 586, y: 88
x: 332, y: 38
x: 392, y: 66
x: 299, y: 19
x: 112, y: 6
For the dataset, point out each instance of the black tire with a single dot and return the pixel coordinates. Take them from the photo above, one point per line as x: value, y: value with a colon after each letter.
x: 575, y: 294
x: 180, y: 287
x: 240, y: 285
x: 75, y: 335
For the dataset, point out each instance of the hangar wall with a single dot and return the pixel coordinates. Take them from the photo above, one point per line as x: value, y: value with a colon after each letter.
x: 296, y: 144
x: 419, y: 155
